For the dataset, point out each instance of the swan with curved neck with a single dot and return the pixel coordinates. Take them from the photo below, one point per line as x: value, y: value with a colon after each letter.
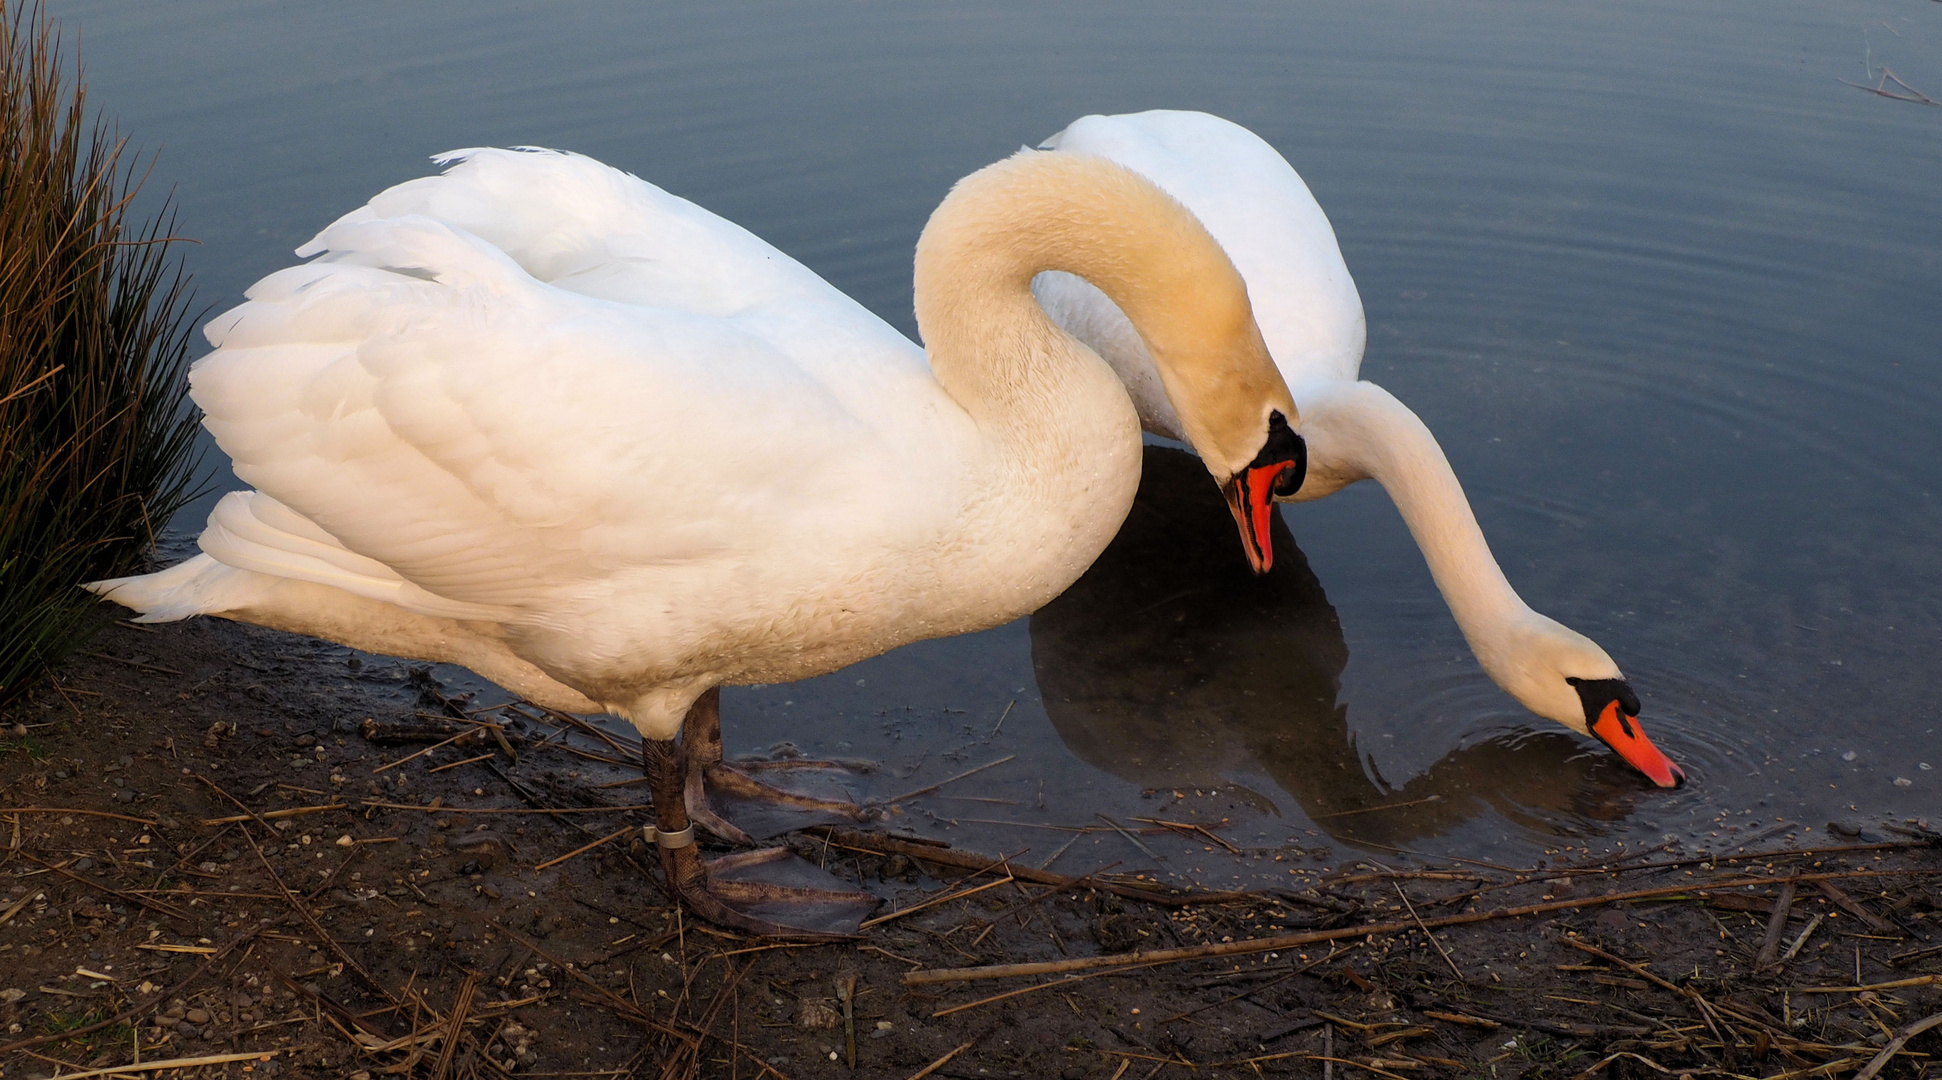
x: 1255, y: 204
x: 539, y: 418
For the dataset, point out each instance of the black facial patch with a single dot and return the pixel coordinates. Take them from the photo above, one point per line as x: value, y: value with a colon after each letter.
x: 1598, y: 693
x: 1283, y: 445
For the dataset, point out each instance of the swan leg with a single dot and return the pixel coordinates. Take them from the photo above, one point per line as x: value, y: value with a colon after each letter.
x: 701, y: 744
x: 769, y: 893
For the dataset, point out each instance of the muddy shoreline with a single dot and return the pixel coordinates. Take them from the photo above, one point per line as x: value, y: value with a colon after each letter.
x: 207, y: 856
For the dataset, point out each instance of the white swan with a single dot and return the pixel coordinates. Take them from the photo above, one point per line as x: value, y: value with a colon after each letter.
x: 1253, y: 202
x: 540, y: 418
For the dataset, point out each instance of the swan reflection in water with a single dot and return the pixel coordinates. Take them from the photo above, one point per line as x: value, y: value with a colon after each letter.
x: 1171, y: 665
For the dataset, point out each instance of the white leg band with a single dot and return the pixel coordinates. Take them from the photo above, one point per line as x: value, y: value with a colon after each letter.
x: 660, y: 838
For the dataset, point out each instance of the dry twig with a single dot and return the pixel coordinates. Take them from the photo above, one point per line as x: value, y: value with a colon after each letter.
x: 1895, y: 1045
x: 584, y: 848
x: 1287, y: 941
x: 945, y: 1060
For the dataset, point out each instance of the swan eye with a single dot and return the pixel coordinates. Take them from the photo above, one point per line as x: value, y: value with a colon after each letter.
x: 1283, y: 446
x: 1598, y: 693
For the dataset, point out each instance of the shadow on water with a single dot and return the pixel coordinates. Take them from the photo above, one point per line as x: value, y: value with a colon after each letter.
x: 1170, y: 665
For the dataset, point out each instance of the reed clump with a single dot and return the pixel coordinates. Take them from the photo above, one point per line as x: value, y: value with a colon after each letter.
x: 96, y: 443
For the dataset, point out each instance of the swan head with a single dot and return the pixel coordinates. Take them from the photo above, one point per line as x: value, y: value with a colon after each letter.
x: 1562, y: 675
x: 1275, y: 472
x: 1039, y: 211
x: 1234, y: 408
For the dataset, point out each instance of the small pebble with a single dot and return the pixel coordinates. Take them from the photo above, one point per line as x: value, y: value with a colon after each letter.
x: 84, y: 864
x: 197, y: 1017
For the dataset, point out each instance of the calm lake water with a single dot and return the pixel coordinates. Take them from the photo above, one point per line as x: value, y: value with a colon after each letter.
x: 1667, y: 291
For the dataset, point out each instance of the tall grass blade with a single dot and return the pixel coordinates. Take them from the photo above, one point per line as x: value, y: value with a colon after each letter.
x: 96, y: 439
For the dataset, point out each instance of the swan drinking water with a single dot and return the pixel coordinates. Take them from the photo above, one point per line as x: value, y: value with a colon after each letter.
x: 539, y: 418
x: 1253, y: 202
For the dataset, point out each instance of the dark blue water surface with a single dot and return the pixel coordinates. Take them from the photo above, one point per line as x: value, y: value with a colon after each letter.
x: 1665, y: 288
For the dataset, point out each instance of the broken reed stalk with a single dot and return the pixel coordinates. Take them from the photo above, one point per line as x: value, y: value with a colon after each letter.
x: 1776, y: 926
x: 15, y: 908
x: 1192, y: 831
x: 1130, y: 838
x: 420, y: 753
x: 1919, y: 980
x: 1700, y: 1003
x: 1288, y: 941
x: 96, y: 442
x: 1895, y: 1045
x: 65, y: 810
x: 461, y: 761
x: 294, y: 811
x: 1793, y: 950
x: 173, y: 1063
x: 584, y: 848
x: 1418, y: 919
x: 945, y: 1060
x: 503, y: 809
x: 1035, y: 987
x: 934, y: 901
x: 950, y: 780
x: 880, y: 844
x: 461, y: 1006
x: 1846, y: 903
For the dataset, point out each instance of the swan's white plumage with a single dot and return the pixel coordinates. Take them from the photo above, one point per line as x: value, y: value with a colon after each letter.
x: 538, y: 417
x: 1261, y: 211
x: 1311, y: 316
x: 581, y: 446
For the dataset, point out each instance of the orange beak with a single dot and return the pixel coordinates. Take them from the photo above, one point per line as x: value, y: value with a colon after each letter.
x: 1623, y: 734
x: 1250, y: 496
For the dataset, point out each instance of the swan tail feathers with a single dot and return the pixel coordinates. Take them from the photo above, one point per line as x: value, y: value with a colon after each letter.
x: 199, y: 586
x: 252, y: 542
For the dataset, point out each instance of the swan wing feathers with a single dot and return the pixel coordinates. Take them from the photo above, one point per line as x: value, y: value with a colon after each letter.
x: 1256, y: 205
x: 578, y: 224
x: 423, y: 418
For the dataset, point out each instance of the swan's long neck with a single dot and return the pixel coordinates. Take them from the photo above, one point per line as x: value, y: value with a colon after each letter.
x: 1034, y: 388
x: 1359, y: 430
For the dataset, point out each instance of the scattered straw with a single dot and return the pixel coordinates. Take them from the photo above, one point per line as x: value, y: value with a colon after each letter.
x: 174, y: 1063
x: 456, y: 764
x: 584, y: 848
x: 950, y: 779
x: 295, y: 811
x: 943, y: 1061
x: 65, y: 810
